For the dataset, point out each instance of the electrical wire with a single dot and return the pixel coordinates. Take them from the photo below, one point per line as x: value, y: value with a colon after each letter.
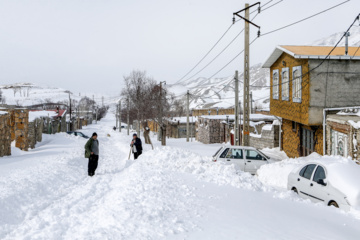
x: 291, y: 24
x: 197, y: 64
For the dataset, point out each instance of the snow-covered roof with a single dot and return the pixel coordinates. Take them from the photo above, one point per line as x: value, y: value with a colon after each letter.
x: 3, y: 113
x: 253, y: 117
x: 42, y: 113
x: 312, y: 52
x: 182, y: 119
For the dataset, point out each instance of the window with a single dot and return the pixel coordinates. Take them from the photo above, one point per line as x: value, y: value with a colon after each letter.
x: 253, y: 155
x: 319, y: 174
x: 285, y: 84
x: 235, y: 154
x: 296, y: 84
x: 307, y: 142
x: 275, y: 87
x: 217, y: 152
x: 223, y: 155
x: 308, y: 171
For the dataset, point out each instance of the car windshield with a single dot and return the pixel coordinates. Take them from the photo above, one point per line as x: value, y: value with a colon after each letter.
x: 217, y: 152
x: 263, y: 154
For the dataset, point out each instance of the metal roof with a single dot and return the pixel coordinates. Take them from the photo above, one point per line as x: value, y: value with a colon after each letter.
x: 312, y: 52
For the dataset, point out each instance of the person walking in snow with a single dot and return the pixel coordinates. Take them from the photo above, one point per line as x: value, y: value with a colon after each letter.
x: 136, y: 146
x: 92, y: 152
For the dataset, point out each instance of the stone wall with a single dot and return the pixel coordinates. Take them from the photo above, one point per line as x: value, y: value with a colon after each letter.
x: 210, y: 131
x: 35, y: 132
x: 267, y: 139
x: 5, y: 135
x: 21, y: 129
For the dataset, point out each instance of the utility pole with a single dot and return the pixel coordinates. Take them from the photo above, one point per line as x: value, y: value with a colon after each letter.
x: 128, y: 116
x: 187, y: 115
x: 251, y: 103
x: 120, y: 115
x: 236, y: 136
x: 70, y: 113
x: 246, y: 125
x: 116, y: 115
x: 96, y: 114
x: 162, y: 129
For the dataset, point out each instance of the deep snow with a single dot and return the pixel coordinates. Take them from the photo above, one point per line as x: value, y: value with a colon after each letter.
x: 173, y: 192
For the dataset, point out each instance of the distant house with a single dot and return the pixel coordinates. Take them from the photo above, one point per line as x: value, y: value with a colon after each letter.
x: 176, y: 127
x: 303, y: 83
x: 216, y: 128
x: 343, y: 134
x: 54, y: 120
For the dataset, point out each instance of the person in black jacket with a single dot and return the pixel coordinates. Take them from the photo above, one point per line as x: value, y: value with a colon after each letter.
x: 136, y: 146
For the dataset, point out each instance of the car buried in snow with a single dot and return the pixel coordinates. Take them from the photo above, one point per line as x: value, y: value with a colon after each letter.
x: 334, y: 182
x: 79, y: 134
x: 249, y: 159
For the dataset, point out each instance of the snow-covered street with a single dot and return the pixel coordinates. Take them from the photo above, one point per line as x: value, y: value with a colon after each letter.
x: 168, y: 193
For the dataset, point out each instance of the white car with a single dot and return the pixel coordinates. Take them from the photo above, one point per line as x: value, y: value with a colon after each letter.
x: 332, y: 183
x: 249, y: 159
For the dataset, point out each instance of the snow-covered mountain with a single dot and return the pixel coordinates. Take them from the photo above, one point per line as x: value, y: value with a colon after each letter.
x: 28, y: 94
x: 354, y: 39
x: 219, y: 92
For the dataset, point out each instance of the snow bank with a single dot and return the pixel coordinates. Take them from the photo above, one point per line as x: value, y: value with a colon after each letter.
x: 176, y: 159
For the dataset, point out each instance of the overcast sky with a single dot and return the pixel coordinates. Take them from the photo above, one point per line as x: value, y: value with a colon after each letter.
x: 89, y: 46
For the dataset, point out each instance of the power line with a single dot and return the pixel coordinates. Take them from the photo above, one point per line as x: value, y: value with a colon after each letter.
x: 291, y: 24
x: 227, y: 30
x: 323, y: 60
x: 222, y: 49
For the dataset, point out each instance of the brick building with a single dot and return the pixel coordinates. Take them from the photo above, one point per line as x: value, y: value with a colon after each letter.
x: 304, y: 82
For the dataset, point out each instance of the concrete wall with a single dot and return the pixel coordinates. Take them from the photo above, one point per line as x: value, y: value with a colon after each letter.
x: 336, y: 83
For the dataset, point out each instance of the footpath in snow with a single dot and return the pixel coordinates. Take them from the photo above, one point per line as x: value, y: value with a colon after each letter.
x: 173, y: 192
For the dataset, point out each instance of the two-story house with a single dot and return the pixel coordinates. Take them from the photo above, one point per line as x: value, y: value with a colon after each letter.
x: 303, y: 83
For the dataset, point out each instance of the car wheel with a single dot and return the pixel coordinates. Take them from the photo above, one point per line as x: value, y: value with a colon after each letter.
x: 295, y: 190
x: 334, y: 204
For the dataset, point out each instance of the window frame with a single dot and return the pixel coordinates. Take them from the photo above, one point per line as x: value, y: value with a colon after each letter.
x: 258, y: 154
x: 285, y: 98
x: 226, y: 150
x: 318, y: 166
x: 294, y: 83
x: 275, y: 86
x: 312, y: 173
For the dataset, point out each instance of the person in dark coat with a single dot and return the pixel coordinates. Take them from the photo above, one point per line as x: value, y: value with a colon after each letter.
x: 136, y: 146
x: 92, y: 152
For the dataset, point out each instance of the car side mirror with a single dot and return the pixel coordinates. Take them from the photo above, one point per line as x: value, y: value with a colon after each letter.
x: 321, y: 182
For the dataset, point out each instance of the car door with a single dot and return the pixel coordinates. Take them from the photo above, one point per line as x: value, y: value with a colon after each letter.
x: 318, y: 189
x: 233, y: 156
x: 253, y: 161
x: 304, y: 180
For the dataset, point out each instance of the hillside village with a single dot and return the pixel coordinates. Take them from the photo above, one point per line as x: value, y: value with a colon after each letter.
x: 269, y: 151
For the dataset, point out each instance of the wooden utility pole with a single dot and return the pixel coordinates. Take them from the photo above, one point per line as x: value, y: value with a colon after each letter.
x: 70, y: 127
x: 96, y: 115
x: 116, y: 115
x: 251, y: 103
x: 187, y: 115
x: 128, y: 116
x: 246, y: 108
x: 236, y: 135
x: 120, y: 115
x: 162, y: 128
